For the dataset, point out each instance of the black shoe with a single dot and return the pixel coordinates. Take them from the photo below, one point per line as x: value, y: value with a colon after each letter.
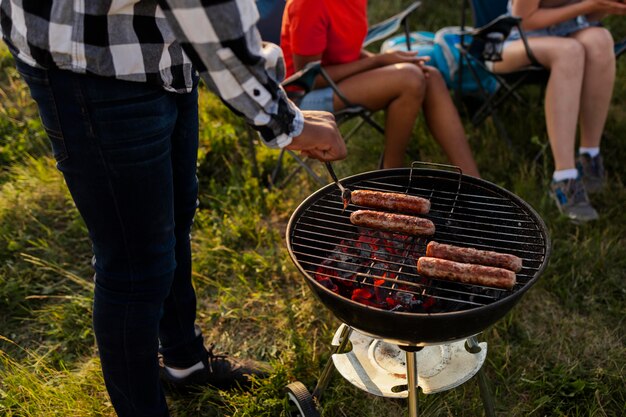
x: 219, y: 371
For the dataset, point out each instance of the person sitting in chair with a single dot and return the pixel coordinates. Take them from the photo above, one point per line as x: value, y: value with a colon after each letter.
x: 565, y: 39
x: 333, y: 32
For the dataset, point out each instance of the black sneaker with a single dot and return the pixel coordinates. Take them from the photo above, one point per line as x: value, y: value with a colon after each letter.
x: 219, y: 371
x: 592, y: 171
x: 572, y: 200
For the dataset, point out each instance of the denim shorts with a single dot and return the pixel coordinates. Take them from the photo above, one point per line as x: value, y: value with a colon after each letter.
x: 321, y: 99
x: 562, y: 29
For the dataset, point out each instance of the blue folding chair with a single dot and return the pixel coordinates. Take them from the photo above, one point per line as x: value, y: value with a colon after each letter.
x: 492, y: 26
x: 490, y: 17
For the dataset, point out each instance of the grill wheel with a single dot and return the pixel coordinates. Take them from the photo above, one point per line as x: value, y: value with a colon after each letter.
x: 301, y: 402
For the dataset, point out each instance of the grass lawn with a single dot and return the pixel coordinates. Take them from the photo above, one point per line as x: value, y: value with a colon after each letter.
x: 560, y: 352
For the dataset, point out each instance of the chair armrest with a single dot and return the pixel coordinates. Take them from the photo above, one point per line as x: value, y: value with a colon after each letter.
x: 301, y: 82
x: 502, y: 25
x: 305, y: 78
x: 489, y: 39
x: 389, y: 26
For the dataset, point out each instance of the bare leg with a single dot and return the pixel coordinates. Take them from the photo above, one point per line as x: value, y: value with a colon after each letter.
x: 400, y: 89
x: 565, y: 58
x: 445, y: 124
x: 597, y: 83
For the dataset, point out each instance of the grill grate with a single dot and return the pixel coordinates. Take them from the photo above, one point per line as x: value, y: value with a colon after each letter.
x: 466, y: 212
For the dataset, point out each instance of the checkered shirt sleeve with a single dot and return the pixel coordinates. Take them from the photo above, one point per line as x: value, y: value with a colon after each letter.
x: 161, y: 41
x: 221, y: 39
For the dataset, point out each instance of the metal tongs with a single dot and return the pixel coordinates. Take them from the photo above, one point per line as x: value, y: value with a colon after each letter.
x: 345, y: 192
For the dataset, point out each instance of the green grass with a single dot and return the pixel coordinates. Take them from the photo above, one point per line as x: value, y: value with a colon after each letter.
x: 560, y: 352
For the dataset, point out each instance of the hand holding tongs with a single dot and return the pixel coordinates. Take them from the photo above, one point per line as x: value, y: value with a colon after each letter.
x: 345, y: 192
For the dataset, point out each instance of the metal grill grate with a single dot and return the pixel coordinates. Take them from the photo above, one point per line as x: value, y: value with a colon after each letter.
x: 466, y: 212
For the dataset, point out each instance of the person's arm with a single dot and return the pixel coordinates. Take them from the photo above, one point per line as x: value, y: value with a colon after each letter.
x: 221, y: 40
x: 335, y: 72
x: 536, y: 17
x: 339, y: 72
x: 365, y: 53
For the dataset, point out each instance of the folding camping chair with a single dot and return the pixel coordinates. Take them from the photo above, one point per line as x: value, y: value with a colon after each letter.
x: 305, y: 78
x: 492, y: 25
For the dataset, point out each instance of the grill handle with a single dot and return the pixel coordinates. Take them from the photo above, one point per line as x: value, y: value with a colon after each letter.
x: 434, y: 165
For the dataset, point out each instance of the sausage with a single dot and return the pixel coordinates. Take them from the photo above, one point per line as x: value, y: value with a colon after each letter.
x: 394, y: 222
x: 488, y: 276
x: 474, y: 256
x: 403, y: 203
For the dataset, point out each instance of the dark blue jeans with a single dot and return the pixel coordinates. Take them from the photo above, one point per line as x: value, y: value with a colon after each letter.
x: 128, y: 153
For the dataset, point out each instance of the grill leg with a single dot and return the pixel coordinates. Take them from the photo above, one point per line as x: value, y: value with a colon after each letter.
x: 326, y: 375
x: 483, y: 384
x: 411, y: 377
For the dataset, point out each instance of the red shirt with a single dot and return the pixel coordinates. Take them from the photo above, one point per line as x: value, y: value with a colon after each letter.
x: 335, y: 29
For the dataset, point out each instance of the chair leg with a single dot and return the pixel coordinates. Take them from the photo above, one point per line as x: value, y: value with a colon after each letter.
x: 307, y: 168
x: 501, y: 128
x: 302, y: 163
x: 278, y: 167
x: 352, y: 131
x: 492, y: 102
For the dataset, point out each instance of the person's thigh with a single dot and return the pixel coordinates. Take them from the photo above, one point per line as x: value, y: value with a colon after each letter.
x: 376, y: 88
x: 120, y: 173
x: 546, y: 49
x: 111, y: 140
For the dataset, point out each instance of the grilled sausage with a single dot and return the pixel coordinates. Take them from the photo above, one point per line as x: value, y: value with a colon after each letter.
x: 474, y: 256
x: 390, y: 201
x: 466, y: 273
x: 393, y: 222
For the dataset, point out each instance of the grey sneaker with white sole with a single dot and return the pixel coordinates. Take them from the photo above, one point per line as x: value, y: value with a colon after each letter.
x: 572, y: 200
x: 592, y: 171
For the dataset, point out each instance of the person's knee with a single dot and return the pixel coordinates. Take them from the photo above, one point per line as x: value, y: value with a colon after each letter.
x: 568, y: 57
x: 411, y: 79
x: 435, y: 78
x: 598, y: 44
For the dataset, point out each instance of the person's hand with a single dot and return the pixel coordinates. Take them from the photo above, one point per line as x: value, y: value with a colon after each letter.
x: 320, y: 137
x: 607, y: 6
x: 427, y: 71
x: 397, y: 57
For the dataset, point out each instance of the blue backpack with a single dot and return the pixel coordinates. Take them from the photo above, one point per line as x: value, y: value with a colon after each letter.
x: 441, y: 47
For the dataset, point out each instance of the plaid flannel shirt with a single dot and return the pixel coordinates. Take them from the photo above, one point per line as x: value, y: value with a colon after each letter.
x: 161, y: 41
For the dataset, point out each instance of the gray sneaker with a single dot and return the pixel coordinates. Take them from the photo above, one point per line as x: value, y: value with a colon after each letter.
x: 592, y: 172
x: 572, y: 200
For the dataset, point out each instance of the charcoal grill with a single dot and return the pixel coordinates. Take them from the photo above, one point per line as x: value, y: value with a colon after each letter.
x: 466, y: 211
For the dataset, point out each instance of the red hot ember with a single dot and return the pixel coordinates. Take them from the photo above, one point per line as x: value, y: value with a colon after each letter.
x: 377, y: 270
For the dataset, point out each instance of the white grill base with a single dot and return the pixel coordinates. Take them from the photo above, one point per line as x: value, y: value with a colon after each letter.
x: 379, y: 367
